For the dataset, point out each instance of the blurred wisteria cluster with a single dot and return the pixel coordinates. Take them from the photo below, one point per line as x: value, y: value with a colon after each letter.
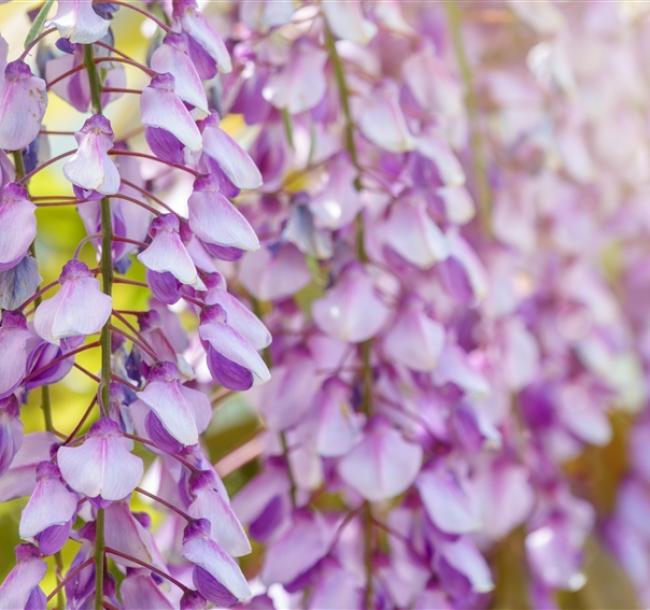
x: 408, y: 241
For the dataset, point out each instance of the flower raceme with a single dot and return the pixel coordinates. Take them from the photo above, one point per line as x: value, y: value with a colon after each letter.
x: 443, y: 351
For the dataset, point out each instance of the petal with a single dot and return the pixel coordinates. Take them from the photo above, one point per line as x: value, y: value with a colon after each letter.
x: 415, y: 340
x: 187, y: 83
x: 16, y: 210
x: 76, y: 20
x: 382, y: 465
x: 161, y: 107
x: 50, y: 504
x: 231, y: 158
x: 301, y: 84
x: 382, y: 122
x: 195, y: 24
x: 79, y: 308
x: 347, y: 22
x: 208, y: 555
x: 467, y: 559
x: 215, y: 220
x: 351, y: 310
x: 140, y: 591
x: 447, y: 503
x: 413, y: 235
x: 101, y: 465
x: 20, y: 582
x: 19, y: 283
x: 240, y: 318
x: 166, y: 252
x: 338, y: 426
x: 271, y: 275
x: 22, y: 95
x: 225, y: 527
x: 235, y: 348
x: 174, y: 412
x: 12, y: 370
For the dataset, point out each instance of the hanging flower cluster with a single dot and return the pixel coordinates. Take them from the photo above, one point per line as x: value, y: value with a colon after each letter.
x: 440, y: 228
x: 79, y: 484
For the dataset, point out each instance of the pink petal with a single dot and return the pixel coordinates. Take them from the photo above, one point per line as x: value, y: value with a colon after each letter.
x: 50, y: 504
x: 467, y: 559
x: 174, y: 412
x: 125, y: 533
x: 195, y: 24
x: 351, y: 310
x: 240, y: 318
x: 301, y: 84
x: 346, y: 21
x: 20, y: 479
x: 228, y: 342
x: 414, y: 339
x: 16, y: 210
x: 166, y: 252
x: 102, y: 465
x: 79, y: 308
x: 13, y: 340
x: 338, y: 425
x: 161, y: 107
x: 18, y: 586
x: 22, y: 95
x: 382, y: 465
x: 411, y: 232
x: 168, y: 58
x: 217, y: 221
x: 140, y: 591
x: 76, y: 20
x: 273, y: 275
x: 201, y: 407
x: 231, y: 158
x: 382, y: 122
x: 447, y: 503
x: 225, y: 527
x: 300, y: 547
x: 207, y: 554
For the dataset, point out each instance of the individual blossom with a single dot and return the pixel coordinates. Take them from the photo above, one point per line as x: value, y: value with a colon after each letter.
x: 78, y: 309
x: 78, y: 21
x: 102, y: 465
x: 16, y: 210
x: 90, y: 167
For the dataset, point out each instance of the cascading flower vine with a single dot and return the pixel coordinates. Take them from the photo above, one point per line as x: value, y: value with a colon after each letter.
x: 424, y: 220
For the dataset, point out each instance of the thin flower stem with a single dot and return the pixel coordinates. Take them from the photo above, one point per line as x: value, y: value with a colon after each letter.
x: 133, y: 329
x: 147, y: 194
x: 164, y: 502
x: 47, y: 163
x: 134, y: 340
x: 126, y: 240
x: 177, y: 457
x: 99, y: 60
x: 68, y: 577
x: 34, y: 42
x: 368, y: 593
x: 242, y: 455
x: 50, y: 132
x: 121, y: 90
x: 147, y: 14
x: 131, y: 153
x: 125, y: 382
x: 123, y: 280
x: 148, y: 566
x: 86, y: 372
x: 81, y: 422
x: 39, y: 293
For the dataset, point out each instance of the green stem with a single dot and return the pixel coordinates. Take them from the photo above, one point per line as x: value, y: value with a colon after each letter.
x: 368, y: 593
x: 350, y: 145
x: 268, y: 360
x: 366, y: 402
x: 46, y: 403
x: 105, y: 341
x: 479, y: 159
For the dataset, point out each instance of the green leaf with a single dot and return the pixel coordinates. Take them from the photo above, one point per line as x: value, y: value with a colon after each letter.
x: 38, y: 22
